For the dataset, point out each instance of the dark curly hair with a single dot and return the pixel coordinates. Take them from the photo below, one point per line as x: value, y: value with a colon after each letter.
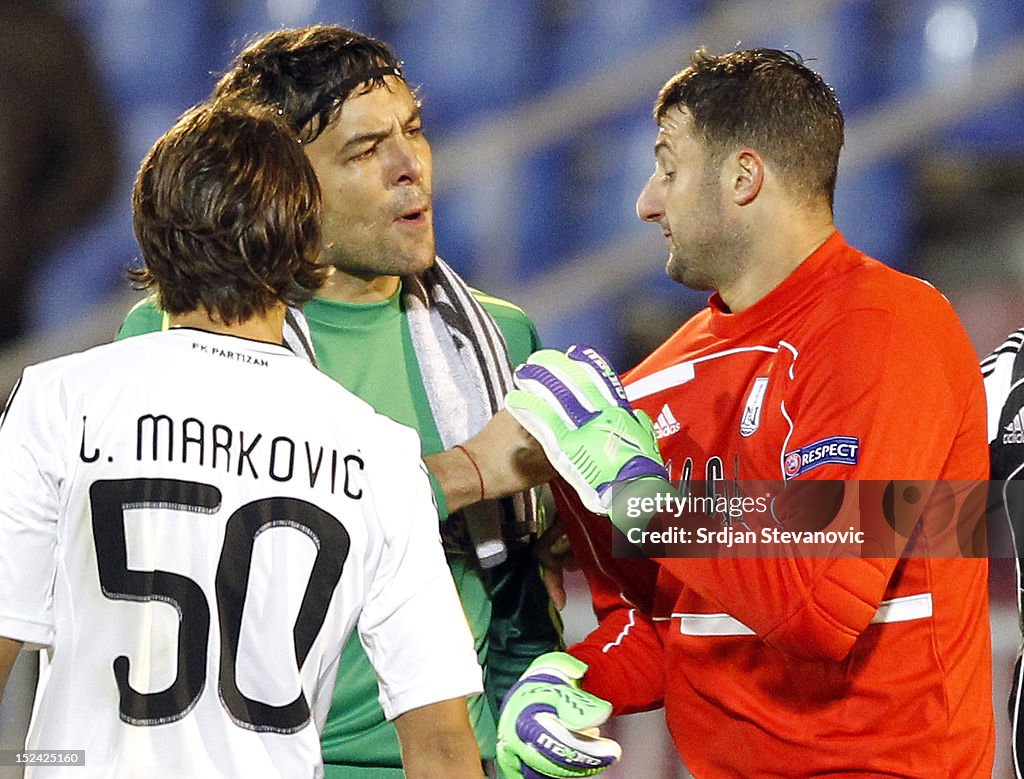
x: 768, y: 100
x: 227, y: 214
x: 305, y: 74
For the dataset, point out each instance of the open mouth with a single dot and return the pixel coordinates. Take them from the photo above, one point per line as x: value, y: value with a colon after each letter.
x: 413, y: 215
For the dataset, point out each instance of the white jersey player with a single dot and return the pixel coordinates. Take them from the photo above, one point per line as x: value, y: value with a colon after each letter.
x: 193, y: 522
x: 1004, y: 391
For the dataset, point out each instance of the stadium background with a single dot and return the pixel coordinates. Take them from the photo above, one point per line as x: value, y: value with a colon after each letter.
x: 539, y: 115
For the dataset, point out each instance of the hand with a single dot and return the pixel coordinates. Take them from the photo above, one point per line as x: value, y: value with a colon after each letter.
x: 512, y: 460
x: 555, y: 557
x: 548, y: 725
x: 576, y: 408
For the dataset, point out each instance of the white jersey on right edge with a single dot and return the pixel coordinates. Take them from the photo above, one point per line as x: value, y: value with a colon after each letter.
x: 193, y: 524
x: 1003, y: 371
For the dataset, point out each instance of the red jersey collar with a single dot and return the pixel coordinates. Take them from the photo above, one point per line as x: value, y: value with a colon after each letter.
x: 832, y: 257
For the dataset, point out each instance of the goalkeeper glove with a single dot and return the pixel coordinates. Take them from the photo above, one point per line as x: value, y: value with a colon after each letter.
x: 576, y: 408
x: 548, y: 725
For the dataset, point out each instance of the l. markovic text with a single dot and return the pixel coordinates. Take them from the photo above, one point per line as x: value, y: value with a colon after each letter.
x: 159, y: 438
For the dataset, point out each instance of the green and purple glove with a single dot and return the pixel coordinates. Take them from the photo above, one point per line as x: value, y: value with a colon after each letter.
x: 548, y: 725
x: 576, y: 408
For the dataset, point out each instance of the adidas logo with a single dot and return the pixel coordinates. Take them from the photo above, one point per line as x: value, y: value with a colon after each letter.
x: 666, y: 424
x: 1013, y: 433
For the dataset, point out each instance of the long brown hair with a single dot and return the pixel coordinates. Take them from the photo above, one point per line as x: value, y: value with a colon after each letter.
x: 227, y: 214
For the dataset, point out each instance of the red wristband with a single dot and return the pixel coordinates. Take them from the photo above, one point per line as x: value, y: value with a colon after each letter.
x: 476, y: 467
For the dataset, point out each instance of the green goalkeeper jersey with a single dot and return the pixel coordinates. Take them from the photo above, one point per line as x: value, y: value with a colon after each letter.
x: 367, y: 347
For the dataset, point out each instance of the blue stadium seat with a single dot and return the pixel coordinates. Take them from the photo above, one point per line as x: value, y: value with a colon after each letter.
x: 156, y: 59
x: 470, y: 56
x: 246, y: 19
x: 520, y: 214
x: 460, y: 224
x: 874, y: 211
x: 544, y: 212
x: 937, y: 41
x: 85, y: 268
x: 1000, y: 128
x: 611, y: 163
x: 585, y: 38
x: 153, y: 50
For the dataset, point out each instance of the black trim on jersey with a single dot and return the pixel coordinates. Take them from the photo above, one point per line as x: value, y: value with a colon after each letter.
x: 10, y: 400
x: 1008, y: 458
x: 1014, y: 709
x: 300, y: 337
x: 470, y: 307
x: 1006, y: 348
x: 1007, y: 469
x: 1012, y: 344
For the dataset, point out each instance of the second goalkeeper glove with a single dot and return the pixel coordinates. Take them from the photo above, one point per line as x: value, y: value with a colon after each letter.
x: 548, y: 725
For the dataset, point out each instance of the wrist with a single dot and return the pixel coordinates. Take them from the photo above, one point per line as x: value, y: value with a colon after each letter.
x: 476, y: 469
x: 456, y: 477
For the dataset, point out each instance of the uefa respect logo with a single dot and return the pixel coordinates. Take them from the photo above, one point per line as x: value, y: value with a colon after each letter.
x: 813, y: 518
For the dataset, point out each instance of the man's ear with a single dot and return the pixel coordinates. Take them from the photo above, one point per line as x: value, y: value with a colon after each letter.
x: 748, y: 176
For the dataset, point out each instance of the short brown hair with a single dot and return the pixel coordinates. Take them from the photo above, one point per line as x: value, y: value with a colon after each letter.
x: 305, y: 74
x: 227, y: 214
x: 768, y: 100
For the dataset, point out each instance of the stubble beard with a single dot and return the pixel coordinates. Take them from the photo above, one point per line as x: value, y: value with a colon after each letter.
x: 369, y: 257
x: 714, y: 251
x: 711, y: 264
x: 697, y: 265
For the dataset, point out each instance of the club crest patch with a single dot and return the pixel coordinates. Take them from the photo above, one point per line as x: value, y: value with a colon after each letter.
x: 840, y: 449
x: 751, y: 419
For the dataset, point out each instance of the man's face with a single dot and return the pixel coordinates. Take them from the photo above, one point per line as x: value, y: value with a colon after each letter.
x: 685, y: 196
x: 374, y: 168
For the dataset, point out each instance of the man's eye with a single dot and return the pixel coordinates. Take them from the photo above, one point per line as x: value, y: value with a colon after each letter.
x: 668, y: 175
x: 365, y: 154
x: 413, y: 132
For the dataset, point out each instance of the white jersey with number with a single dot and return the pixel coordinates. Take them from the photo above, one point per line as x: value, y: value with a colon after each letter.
x: 193, y: 524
